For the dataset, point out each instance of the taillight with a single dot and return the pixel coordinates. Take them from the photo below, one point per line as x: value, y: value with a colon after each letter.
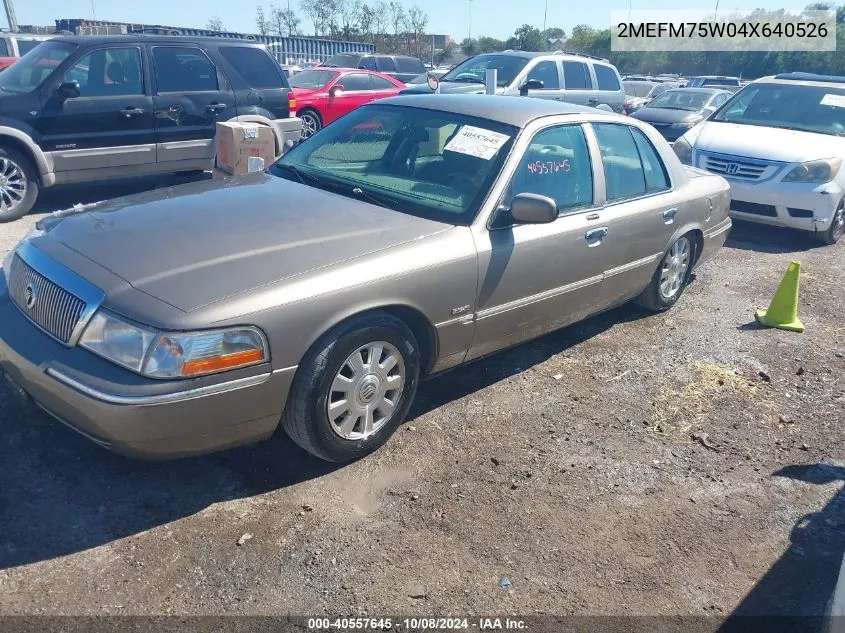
x: 291, y: 103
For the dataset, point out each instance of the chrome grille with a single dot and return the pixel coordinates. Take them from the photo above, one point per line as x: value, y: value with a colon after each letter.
x: 734, y: 168
x: 48, y: 305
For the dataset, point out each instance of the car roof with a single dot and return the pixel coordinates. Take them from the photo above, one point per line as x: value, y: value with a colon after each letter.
x: 517, y: 111
x: 88, y: 40
x: 805, y: 79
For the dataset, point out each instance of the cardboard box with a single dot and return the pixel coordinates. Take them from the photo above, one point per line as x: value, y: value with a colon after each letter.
x: 245, y: 147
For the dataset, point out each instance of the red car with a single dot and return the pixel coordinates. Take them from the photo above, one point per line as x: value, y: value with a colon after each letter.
x: 324, y: 94
x: 5, y: 62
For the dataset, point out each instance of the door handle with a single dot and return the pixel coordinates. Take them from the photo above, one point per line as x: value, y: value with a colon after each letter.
x: 130, y: 112
x: 669, y: 216
x: 593, y: 216
x: 592, y: 100
x: 214, y: 108
x: 595, y: 236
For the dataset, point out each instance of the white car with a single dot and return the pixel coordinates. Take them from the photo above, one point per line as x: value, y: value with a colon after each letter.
x: 780, y: 143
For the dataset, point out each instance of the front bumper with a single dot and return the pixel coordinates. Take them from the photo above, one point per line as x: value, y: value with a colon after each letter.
x: 807, y: 207
x: 133, y: 415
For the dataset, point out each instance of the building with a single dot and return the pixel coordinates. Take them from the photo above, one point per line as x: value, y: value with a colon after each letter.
x: 287, y: 50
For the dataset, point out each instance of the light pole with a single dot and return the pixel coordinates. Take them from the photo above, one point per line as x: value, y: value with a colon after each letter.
x: 545, y: 15
x: 469, y: 35
x: 10, y: 15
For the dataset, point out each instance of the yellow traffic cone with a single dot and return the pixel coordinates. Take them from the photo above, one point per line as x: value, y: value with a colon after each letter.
x: 783, y: 311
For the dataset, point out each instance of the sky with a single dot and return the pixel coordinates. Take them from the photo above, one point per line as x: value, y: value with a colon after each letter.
x: 497, y: 18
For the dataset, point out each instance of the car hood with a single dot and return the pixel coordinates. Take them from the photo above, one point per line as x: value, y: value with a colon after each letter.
x: 197, y: 244
x: 766, y: 143
x: 663, y: 115
x: 446, y: 87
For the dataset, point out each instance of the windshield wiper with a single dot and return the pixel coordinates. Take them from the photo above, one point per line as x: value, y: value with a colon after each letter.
x: 382, y: 201
x: 301, y: 176
x: 467, y: 80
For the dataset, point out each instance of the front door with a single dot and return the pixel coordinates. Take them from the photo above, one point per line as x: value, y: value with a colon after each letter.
x: 190, y: 96
x: 538, y: 277
x: 548, y: 73
x: 110, y: 123
x: 357, y: 89
x: 578, y: 84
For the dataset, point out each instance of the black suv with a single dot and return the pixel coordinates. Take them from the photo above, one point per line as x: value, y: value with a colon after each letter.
x: 401, y: 67
x: 80, y: 109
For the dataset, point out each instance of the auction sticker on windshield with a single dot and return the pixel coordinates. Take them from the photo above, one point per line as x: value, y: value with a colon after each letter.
x: 476, y: 141
x: 837, y: 101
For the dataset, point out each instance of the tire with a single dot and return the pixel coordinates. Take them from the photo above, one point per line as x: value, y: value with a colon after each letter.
x: 307, y: 419
x: 18, y: 184
x: 312, y: 122
x: 675, y: 267
x: 837, y: 227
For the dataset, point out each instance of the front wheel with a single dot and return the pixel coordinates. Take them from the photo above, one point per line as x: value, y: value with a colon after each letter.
x: 354, y: 388
x: 311, y: 123
x: 837, y: 227
x: 670, y: 278
x: 18, y: 185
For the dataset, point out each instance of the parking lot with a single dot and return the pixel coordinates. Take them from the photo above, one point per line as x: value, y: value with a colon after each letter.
x: 684, y: 463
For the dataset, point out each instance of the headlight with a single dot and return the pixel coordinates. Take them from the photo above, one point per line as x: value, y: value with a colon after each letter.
x: 172, y: 355
x: 683, y: 150
x: 685, y: 125
x: 815, y: 171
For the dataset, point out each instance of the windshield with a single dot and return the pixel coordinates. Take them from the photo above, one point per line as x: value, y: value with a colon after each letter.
x: 474, y: 69
x: 432, y: 164
x: 637, y: 88
x: 32, y: 69
x: 659, y: 89
x: 342, y: 61
x: 790, y: 106
x: 312, y: 79
x: 681, y: 99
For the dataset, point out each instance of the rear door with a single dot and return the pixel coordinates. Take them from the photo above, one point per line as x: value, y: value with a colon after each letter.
x: 641, y: 211
x: 549, y: 73
x: 260, y: 85
x: 608, y: 87
x: 111, y: 123
x: 578, y: 83
x: 190, y: 96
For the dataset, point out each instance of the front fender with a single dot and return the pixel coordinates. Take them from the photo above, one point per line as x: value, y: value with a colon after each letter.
x: 29, y: 138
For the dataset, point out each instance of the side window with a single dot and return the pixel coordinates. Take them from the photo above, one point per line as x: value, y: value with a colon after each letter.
x: 386, y: 64
x: 719, y: 100
x: 24, y: 46
x: 183, y: 69
x: 108, y: 72
x: 656, y: 178
x: 355, y: 81
x: 547, y: 73
x: 623, y: 171
x: 257, y: 68
x: 380, y: 83
x: 606, y: 77
x: 576, y: 76
x: 368, y: 63
x: 557, y: 164
x: 4, y: 47
x: 409, y: 65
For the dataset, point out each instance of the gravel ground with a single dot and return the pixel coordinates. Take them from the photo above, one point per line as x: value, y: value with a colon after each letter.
x: 681, y: 464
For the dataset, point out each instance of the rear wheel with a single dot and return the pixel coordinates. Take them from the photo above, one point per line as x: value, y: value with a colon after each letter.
x: 837, y: 227
x: 670, y: 278
x: 18, y: 185
x: 354, y: 388
x: 311, y: 122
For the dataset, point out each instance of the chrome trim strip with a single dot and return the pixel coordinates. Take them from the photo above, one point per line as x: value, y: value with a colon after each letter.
x: 718, y: 231
x: 165, y: 398
x: 285, y: 369
x: 461, y: 320
x: 542, y: 296
x: 68, y: 280
x: 631, y: 265
x: 102, y: 151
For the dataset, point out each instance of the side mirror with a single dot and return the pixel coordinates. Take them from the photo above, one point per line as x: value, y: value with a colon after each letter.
x: 336, y: 90
x: 531, y: 208
x: 68, y: 90
x: 530, y: 84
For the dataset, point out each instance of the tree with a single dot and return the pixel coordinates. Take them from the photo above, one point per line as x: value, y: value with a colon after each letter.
x: 418, y: 20
x: 312, y: 9
x: 349, y: 12
x: 365, y: 23
x: 284, y: 22
x: 528, y: 38
x: 398, y: 19
x: 261, y: 22
x: 444, y: 55
x: 214, y: 24
x: 469, y: 47
x: 486, y: 44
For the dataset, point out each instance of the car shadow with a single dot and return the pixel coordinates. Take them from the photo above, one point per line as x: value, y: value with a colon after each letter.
x: 61, y: 494
x: 794, y: 593
x: 751, y: 236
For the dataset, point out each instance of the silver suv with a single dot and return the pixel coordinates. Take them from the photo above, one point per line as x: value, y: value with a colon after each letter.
x: 563, y: 76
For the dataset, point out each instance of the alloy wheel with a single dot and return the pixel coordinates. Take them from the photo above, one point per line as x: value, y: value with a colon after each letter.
x: 675, y: 267
x: 310, y: 125
x: 13, y: 185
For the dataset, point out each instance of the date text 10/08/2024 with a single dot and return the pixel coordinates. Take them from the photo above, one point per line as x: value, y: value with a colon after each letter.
x: 416, y: 624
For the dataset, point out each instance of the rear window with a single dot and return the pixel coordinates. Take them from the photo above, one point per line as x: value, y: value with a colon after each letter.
x: 342, y: 61
x: 409, y: 65
x: 257, y: 68
x: 576, y: 76
x: 606, y: 77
